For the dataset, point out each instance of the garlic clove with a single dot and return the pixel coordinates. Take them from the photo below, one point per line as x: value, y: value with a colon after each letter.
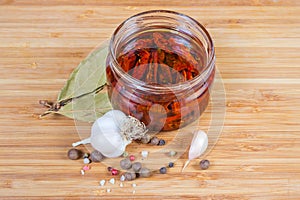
x: 198, y: 145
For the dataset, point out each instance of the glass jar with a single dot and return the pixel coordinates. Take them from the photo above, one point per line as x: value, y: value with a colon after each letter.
x: 160, y: 67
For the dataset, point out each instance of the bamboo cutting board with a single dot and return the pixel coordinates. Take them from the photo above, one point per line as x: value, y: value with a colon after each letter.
x: 257, y: 47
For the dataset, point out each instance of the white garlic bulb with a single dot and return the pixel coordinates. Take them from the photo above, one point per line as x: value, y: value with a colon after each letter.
x: 111, y: 133
x: 105, y: 134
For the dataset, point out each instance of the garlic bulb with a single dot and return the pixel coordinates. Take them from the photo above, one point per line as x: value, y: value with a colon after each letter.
x: 111, y: 133
x: 198, y: 146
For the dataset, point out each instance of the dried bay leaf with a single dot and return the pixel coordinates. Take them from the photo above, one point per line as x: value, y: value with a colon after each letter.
x: 88, y: 75
x: 84, y: 96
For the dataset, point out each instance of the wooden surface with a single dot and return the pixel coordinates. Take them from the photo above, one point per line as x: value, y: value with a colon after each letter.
x: 258, y: 55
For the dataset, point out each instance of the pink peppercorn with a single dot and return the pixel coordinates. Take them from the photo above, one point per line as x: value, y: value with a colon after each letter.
x: 86, y: 167
x: 114, y: 171
x: 132, y: 158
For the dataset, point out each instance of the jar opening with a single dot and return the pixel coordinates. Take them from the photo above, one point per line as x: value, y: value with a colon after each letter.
x: 160, y: 48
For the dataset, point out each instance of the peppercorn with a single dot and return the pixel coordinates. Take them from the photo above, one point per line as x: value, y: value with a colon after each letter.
x: 154, y: 141
x: 109, y: 169
x: 129, y: 176
x: 146, y: 139
x: 114, y: 171
x: 204, y: 164
x: 125, y: 163
x: 131, y: 157
x: 136, y: 166
x: 171, y: 164
x: 145, y: 172
x: 74, y: 154
x: 163, y: 170
x: 96, y: 156
x: 161, y: 142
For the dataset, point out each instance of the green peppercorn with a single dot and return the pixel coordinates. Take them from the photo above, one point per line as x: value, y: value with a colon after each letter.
x: 74, y: 154
x: 96, y: 156
x: 125, y: 163
x: 136, y: 166
x: 204, y: 164
x: 172, y: 153
x: 154, y: 141
x: 145, y: 172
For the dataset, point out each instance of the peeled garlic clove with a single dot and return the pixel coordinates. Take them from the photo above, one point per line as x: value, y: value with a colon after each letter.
x: 199, y: 145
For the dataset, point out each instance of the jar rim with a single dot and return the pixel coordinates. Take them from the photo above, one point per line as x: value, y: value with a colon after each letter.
x: 202, y: 77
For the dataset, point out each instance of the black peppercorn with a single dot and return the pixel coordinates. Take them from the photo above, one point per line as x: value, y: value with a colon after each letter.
x: 204, y: 164
x: 171, y: 164
x: 109, y: 169
x: 74, y: 154
x: 163, y: 170
x: 161, y: 142
x: 96, y: 156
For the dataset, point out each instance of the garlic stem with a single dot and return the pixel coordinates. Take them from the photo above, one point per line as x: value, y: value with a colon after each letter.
x: 84, y: 141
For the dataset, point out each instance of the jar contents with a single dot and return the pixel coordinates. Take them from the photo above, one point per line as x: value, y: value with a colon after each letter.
x: 160, y: 58
x: 163, y: 59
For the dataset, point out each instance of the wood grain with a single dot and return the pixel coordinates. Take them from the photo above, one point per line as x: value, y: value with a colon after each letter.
x: 258, y: 55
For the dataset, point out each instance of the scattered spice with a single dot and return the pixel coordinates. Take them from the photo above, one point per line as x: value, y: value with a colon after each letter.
x: 145, y: 154
x: 133, y: 185
x: 102, y: 182
x: 154, y: 141
x: 86, y: 161
x: 172, y: 153
x: 109, y: 169
x: 129, y: 176
x: 74, y: 154
x: 86, y: 155
x: 112, y: 181
x: 204, y: 164
x: 86, y: 168
x: 114, y: 172
x: 108, y: 190
x: 122, y: 178
x: 132, y: 157
x: 146, y: 139
x: 82, y: 172
x: 171, y: 164
x: 161, y: 142
x: 125, y: 163
x: 145, y: 172
x: 163, y: 170
x: 96, y: 156
x: 121, y: 185
x: 125, y: 154
x: 136, y: 166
